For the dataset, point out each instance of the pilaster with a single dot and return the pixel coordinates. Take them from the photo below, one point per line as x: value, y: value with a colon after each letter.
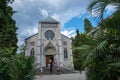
x: 39, y: 45
x: 60, y: 48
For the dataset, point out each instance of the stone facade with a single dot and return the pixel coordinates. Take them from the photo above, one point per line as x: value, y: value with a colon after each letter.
x: 50, y: 43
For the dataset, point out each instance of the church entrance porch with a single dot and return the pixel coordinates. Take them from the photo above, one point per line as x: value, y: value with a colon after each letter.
x: 48, y: 57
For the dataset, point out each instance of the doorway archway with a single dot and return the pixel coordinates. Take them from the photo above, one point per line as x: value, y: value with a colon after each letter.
x: 49, y: 52
x: 48, y: 57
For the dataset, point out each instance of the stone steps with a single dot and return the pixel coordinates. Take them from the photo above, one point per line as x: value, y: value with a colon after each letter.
x: 54, y: 71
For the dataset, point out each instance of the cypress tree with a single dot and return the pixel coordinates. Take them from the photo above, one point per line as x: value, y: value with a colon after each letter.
x: 8, y: 36
x: 87, y: 26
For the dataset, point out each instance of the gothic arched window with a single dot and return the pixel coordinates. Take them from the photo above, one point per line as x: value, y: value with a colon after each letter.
x: 32, y: 52
x: 65, y: 53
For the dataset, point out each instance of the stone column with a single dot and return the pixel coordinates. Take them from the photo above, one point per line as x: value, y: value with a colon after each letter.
x: 39, y: 45
x: 42, y: 60
x: 60, y: 49
x: 57, y: 59
x: 71, y: 56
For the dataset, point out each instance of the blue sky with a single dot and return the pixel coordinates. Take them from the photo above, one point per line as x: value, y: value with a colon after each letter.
x: 70, y: 13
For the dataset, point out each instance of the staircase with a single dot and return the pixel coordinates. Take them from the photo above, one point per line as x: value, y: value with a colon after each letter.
x: 54, y: 71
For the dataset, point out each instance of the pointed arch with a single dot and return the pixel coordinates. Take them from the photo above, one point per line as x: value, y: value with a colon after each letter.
x: 49, y: 49
x: 32, y: 52
x: 65, y: 53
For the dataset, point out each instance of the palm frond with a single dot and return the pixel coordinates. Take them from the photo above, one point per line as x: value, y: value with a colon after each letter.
x: 97, y: 7
x: 115, y: 64
x: 96, y: 52
x: 113, y: 67
x: 111, y: 23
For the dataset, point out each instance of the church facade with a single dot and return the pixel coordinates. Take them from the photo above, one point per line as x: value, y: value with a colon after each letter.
x: 50, y: 43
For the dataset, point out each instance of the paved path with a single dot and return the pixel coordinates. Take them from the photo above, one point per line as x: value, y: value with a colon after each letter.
x: 71, y: 76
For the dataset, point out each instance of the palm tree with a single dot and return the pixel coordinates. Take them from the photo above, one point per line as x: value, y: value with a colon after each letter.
x: 97, y: 7
x: 104, y: 60
x: 17, y: 68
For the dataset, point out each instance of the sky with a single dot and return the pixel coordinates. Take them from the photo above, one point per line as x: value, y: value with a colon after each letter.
x: 70, y: 13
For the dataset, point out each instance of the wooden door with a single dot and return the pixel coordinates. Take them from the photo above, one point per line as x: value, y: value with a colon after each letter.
x: 48, y: 57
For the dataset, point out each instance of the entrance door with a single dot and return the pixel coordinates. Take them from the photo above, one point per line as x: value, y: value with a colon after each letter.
x: 48, y: 57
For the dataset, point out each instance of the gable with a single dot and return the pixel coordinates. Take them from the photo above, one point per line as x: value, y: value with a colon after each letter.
x: 32, y: 38
x: 65, y: 37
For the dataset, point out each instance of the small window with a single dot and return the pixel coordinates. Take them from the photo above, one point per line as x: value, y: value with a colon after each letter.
x: 65, y: 53
x: 32, y: 52
x: 64, y: 43
x: 32, y: 43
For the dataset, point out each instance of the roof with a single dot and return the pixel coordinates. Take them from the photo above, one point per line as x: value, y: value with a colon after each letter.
x: 49, y: 19
x: 31, y: 36
x: 65, y: 36
x: 37, y: 33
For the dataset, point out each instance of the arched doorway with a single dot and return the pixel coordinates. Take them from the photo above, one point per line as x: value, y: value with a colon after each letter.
x: 48, y: 57
x: 50, y: 52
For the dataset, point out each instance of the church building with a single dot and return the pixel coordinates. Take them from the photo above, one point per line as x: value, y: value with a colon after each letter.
x: 48, y: 44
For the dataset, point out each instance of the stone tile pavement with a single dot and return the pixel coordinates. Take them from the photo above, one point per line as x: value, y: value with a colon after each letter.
x: 71, y: 76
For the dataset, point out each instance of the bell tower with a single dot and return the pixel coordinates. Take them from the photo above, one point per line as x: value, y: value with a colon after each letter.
x: 49, y: 42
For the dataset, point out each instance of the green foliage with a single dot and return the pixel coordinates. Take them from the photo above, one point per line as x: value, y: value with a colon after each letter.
x: 8, y: 28
x: 79, y: 55
x: 104, y: 60
x: 17, y: 68
x: 103, y: 55
x: 82, y: 39
x: 12, y: 66
x: 87, y: 26
x: 21, y: 50
x: 82, y: 44
x: 77, y: 32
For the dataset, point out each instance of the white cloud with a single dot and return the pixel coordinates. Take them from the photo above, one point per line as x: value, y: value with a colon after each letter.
x: 35, y: 10
x: 44, y: 13
x: 69, y: 32
x: 62, y: 10
x: 33, y: 31
x: 64, y: 17
x: 56, y: 16
x: 110, y: 9
x: 25, y: 34
x: 54, y: 3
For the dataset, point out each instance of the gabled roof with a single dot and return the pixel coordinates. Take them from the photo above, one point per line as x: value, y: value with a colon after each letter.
x: 49, y: 19
x: 31, y: 36
x: 66, y: 36
x: 37, y: 33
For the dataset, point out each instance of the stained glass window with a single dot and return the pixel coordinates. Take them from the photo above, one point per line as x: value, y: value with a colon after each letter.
x: 49, y: 34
